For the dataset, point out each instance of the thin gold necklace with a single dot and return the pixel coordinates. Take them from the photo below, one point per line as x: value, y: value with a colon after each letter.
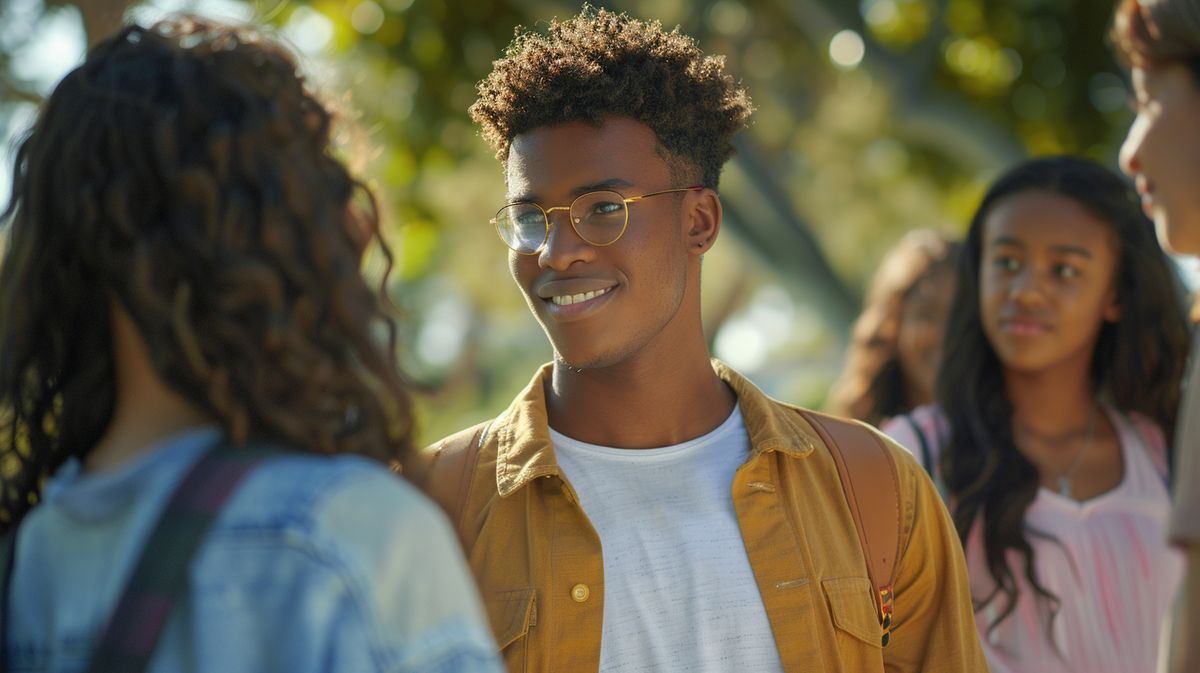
x: 1064, y: 479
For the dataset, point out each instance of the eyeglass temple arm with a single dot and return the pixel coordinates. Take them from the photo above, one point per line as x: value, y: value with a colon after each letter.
x: 692, y: 188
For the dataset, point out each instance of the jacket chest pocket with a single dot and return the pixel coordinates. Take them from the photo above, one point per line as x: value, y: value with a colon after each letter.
x: 512, y: 613
x: 856, y: 626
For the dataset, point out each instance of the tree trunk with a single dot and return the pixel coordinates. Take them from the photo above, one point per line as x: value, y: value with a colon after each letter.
x: 101, y: 18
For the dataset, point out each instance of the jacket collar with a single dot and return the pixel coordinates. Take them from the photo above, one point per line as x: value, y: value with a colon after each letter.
x: 524, y: 451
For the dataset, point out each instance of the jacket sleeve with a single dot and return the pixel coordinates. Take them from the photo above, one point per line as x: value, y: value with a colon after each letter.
x: 934, y: 618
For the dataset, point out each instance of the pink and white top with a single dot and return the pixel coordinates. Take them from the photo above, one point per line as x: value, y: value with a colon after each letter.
x: 1109, y: 563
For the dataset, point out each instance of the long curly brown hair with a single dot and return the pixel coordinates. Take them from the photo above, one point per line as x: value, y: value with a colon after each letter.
x: 601, y: 64
x: 184, y: 173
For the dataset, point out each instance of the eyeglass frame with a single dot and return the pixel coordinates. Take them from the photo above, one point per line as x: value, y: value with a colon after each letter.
x: 495, y: 221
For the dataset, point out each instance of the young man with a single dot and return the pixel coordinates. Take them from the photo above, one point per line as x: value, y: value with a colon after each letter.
x: 1160, y: 40
x: 640, y: 507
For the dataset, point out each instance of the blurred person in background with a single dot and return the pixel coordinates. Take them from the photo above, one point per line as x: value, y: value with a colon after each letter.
x: 181, y: 289
x: 640, y: 506
x: 1160, y: 41
x: 1066, y: 342
x: 896, y: 343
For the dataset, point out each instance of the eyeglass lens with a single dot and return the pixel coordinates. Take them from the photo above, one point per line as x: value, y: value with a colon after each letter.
x: 598, y: 217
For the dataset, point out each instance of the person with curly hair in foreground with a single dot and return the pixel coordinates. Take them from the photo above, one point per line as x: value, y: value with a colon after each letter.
x: 181, y: 289
x: 641, y: 507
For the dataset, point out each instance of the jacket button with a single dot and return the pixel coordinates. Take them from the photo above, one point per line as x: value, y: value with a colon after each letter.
x: 580, y: 593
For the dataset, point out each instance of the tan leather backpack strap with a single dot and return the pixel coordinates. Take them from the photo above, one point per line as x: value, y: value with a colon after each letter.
x: 448, y: 476
x: 870, y: 482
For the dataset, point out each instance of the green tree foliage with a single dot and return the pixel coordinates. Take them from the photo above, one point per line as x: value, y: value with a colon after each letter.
x: 873, y: 118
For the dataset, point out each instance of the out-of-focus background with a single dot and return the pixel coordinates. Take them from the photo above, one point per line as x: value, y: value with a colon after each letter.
x: 873, y: 117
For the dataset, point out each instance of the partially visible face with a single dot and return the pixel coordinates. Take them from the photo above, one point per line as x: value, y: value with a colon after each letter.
x: 1162, y: 153
x: 922, y: 323
x: 625, y: 295
x: 1047, y: 281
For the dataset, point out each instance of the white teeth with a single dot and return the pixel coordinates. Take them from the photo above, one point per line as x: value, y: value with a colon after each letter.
x: 568, y: 299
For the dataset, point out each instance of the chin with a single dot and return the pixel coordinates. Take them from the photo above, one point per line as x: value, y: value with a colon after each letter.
x: 579, y: 359
x: 1179, y: 235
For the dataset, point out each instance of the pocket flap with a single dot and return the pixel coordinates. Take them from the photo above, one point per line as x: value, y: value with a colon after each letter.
x: 852, y: 605
x: 512, y: 613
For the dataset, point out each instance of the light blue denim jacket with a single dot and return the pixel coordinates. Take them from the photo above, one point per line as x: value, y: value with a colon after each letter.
x: 315, y: 564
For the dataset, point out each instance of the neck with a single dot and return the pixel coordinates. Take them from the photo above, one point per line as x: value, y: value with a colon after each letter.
x: 1050, y: 403
x: 146, y: 409
x: 638, y: 404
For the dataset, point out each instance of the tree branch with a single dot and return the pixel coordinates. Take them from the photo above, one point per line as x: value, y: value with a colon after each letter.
x: 932, y: 117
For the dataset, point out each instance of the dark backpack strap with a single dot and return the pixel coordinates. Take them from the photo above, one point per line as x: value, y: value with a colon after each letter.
x: 869, y: 480
x: 926, y: 456
x: 158, y: 580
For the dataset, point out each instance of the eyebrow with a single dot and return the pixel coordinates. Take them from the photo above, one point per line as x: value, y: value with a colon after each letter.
x: 582, y: 189
x: 1060, y: 249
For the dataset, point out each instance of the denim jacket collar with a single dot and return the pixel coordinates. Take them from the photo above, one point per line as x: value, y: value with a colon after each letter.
x: 524, y: 451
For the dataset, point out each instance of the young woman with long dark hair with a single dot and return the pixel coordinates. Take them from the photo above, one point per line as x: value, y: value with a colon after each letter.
x: 1065, y: 348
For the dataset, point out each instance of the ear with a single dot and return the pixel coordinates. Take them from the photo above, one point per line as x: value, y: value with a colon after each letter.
x: 703, y: 221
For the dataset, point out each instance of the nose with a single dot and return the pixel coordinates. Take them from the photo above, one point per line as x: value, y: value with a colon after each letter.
x: 1025, y: 290
x: 564, y: 246
x: 1128, y: 158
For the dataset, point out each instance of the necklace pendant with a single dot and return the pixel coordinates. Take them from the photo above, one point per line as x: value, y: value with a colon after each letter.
x: 1064, y: 486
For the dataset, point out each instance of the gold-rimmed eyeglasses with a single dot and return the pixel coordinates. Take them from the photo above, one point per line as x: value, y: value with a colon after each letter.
x: 598, y: 217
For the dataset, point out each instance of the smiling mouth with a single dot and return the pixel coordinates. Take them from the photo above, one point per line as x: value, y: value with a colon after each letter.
x: 569, y: 299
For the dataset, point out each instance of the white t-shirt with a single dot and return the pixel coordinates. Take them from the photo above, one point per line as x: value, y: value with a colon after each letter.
x: 679, y: 592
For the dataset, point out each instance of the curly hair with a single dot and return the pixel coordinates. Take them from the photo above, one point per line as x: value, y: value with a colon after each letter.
x: 872, y: 386
x: 184, y: 174
x: 1137, y: 363
x: 601, y: 64
x: 1151, y: 33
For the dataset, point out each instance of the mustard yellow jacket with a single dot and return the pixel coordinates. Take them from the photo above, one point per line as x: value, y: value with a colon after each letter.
x: 538, y: 562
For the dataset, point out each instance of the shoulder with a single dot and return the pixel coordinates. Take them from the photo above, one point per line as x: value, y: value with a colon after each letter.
x: 1151, y: 436
x: 908, y: 468
x: 866, y: 468
x: 450, y: 463
x: 333, y: 507
x: 919, y: 432
x: 355, y: 546
x: 300, y: 487
x: 456, y: 447
x: 922, y: 501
